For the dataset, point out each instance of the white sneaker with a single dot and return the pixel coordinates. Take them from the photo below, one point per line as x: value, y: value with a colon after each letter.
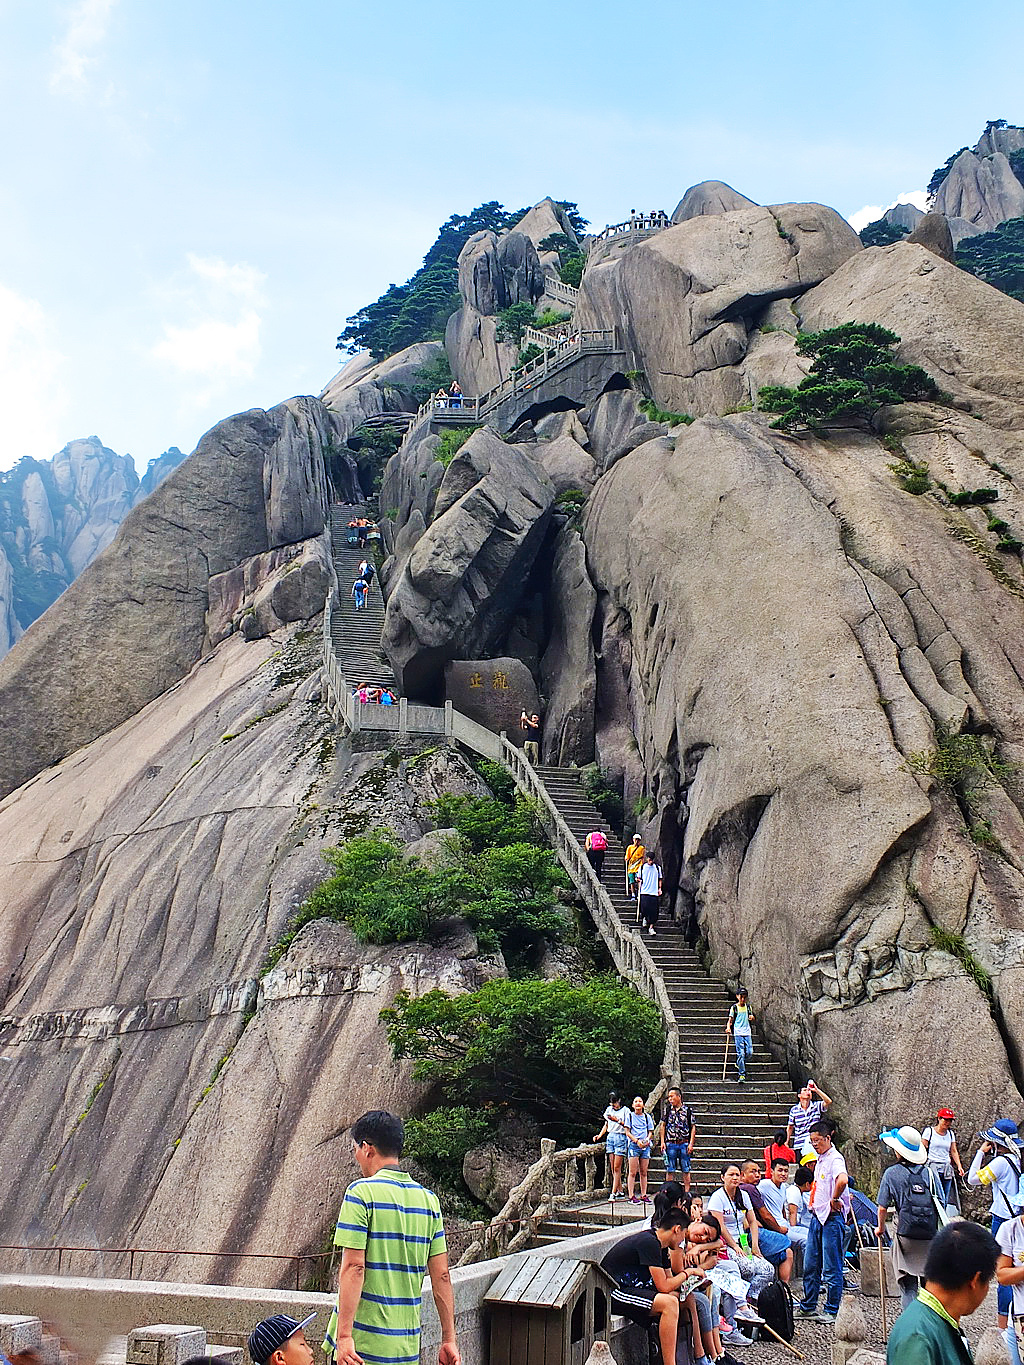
x: 650, y: 932
x: 746, y: 1314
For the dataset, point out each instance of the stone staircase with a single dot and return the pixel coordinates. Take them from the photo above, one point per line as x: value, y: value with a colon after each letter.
x: 355, y: 635
x: 733, y: 1121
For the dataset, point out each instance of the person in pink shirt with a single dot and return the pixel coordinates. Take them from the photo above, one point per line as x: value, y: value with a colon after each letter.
x: 830, y: 1206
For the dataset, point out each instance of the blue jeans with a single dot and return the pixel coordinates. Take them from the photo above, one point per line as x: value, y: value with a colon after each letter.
x: 1005, y: 1295
x: 744, y: 1047
x: 774, y: 1245
x: 1011, y: 1344
x: 823, y: 1258
x: 677, y: 1158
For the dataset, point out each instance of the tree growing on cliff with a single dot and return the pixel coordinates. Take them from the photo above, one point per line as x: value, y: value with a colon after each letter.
x: 549, y: 1046
x: 997, y: 257
x: 853, y: 375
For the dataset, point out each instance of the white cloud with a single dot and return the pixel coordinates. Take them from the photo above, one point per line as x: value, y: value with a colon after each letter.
x: 870, y: 212
x: 213, y: 331
x: 87, y: 24
x: 31, y: 394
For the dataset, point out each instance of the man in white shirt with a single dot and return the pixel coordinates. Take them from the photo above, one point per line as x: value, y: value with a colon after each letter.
x: 823, y: 1257
x: 650, y: 892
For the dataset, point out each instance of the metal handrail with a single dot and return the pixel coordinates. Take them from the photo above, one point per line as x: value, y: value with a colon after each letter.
x: 132, y: 1252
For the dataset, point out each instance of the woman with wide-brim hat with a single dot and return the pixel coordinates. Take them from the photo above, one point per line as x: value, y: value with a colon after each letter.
x: 909, y: 1174
x: 996, y: 1166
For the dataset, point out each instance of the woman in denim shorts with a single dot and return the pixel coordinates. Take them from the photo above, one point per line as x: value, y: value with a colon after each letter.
x: 640, y: 1127
x: 616, y: 1141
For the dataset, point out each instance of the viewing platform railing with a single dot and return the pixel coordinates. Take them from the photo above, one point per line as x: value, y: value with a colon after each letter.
x: 558, y: 289
x: 637, y: 225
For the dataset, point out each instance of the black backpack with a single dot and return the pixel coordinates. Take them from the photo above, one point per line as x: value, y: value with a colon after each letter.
x: 775, y: 1305
x: 918, y: 1219
x: 368, y: 573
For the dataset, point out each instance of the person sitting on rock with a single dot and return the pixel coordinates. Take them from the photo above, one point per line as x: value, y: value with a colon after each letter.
x: 359, y: 594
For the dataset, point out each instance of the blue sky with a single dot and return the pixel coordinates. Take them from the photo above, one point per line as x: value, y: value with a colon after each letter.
x: 194, y: 196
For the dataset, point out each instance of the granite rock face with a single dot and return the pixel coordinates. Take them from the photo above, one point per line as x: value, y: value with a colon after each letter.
x: 979, y: 193
x: 567, y: 670
x: 795, y: 629
x: 904, y: 215
x: 710, y: 196
x: 461, y: 582
x: 494, y: 692
x: 932, y: 231
x: 165, y: 1075
x: 968, y: 335
x: 494, y: 273
x: 686, y: 298
x: 57, y: 515
x: 133, y: 623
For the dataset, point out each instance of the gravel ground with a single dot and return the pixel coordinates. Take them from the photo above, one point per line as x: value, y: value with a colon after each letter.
x: 814, y: 1339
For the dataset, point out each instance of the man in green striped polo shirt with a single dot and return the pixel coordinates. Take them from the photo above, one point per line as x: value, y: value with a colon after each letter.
x: 391, y: 1232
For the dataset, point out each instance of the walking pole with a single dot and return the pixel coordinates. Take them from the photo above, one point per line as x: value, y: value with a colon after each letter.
x: 725, y: 1059
x: 881, y: 1291
x: 763, y: 1327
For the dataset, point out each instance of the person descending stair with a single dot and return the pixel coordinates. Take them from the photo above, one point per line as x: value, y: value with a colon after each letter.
x: 650, y: 892
x: 740, y: 1020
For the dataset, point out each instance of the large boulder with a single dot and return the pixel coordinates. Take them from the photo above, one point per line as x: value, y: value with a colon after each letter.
x: 133, y: 622
x: 546, y: 219
x: 710, y: 196
x: 496, y: 272
x: 493, y: 692
x: 903, y: 215
x: 462, y: 581
x: 686, y: 298
x: 1005, y: 140
x: 965, y: 333
x: 982, y: 190
x: 932, y: 231
x: 365, y: 387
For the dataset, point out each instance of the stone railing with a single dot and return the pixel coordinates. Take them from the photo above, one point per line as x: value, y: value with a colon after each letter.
x: 556, y: 289
x: 636, y: 225
x: 533, y: 336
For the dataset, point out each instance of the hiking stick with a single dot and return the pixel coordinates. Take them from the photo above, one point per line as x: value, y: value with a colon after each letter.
x: 725, y: 1059
x: 881, y: 1291
x: 763, y: 1327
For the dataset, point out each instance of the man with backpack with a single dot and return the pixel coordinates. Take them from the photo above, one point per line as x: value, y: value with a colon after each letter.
x: 909, y: 1187
x: 650, y: 892
x: 996, y: 1166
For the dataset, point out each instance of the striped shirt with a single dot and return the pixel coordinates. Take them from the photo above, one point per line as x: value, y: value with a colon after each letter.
x: 397, y: 1225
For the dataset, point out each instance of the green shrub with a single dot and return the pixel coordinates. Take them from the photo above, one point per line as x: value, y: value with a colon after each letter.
x: 962, y: 763
x: 450, y: 442
x: 853, y: 375
x: 484, y: 821
x: 982, y: 833
x: 440, y: 1140
x: 882, y: 233
x: 497, y: 777
x: 911, y: 477
x: 1010, y: 545
x: 571, y: 270
x: 571, y: 502
x: 553, y: 1048
x: 956, y: 945
x: 600, y: 791
x: 510, y: 900
x: 656, y: 414
x: 974, y: 497
x: 528, y: 353
x: 551, y: 318
x: 512, y: 320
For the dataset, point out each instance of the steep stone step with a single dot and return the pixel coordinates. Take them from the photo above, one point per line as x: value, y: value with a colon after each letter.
x: 355, y: 635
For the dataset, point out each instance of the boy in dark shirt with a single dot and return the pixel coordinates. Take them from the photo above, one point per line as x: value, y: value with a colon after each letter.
x: 639, y: 1265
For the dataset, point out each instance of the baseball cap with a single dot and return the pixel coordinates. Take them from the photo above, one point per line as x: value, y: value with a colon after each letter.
x: 271, y: 1334
x: 945, y: 1114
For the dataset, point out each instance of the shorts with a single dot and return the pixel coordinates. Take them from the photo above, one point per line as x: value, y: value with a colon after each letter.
x: 773, y: 1245
x: 677, y: 1157
x: 631, y: 882
x: 634, y: 1304
x: 644, y: 1153
x: 616, y: 1146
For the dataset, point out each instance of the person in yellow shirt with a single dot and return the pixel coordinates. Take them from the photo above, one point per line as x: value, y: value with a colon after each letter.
x: 634, y: 861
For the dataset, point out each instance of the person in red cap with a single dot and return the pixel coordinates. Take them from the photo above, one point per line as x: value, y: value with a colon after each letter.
x: 943, y: 1158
